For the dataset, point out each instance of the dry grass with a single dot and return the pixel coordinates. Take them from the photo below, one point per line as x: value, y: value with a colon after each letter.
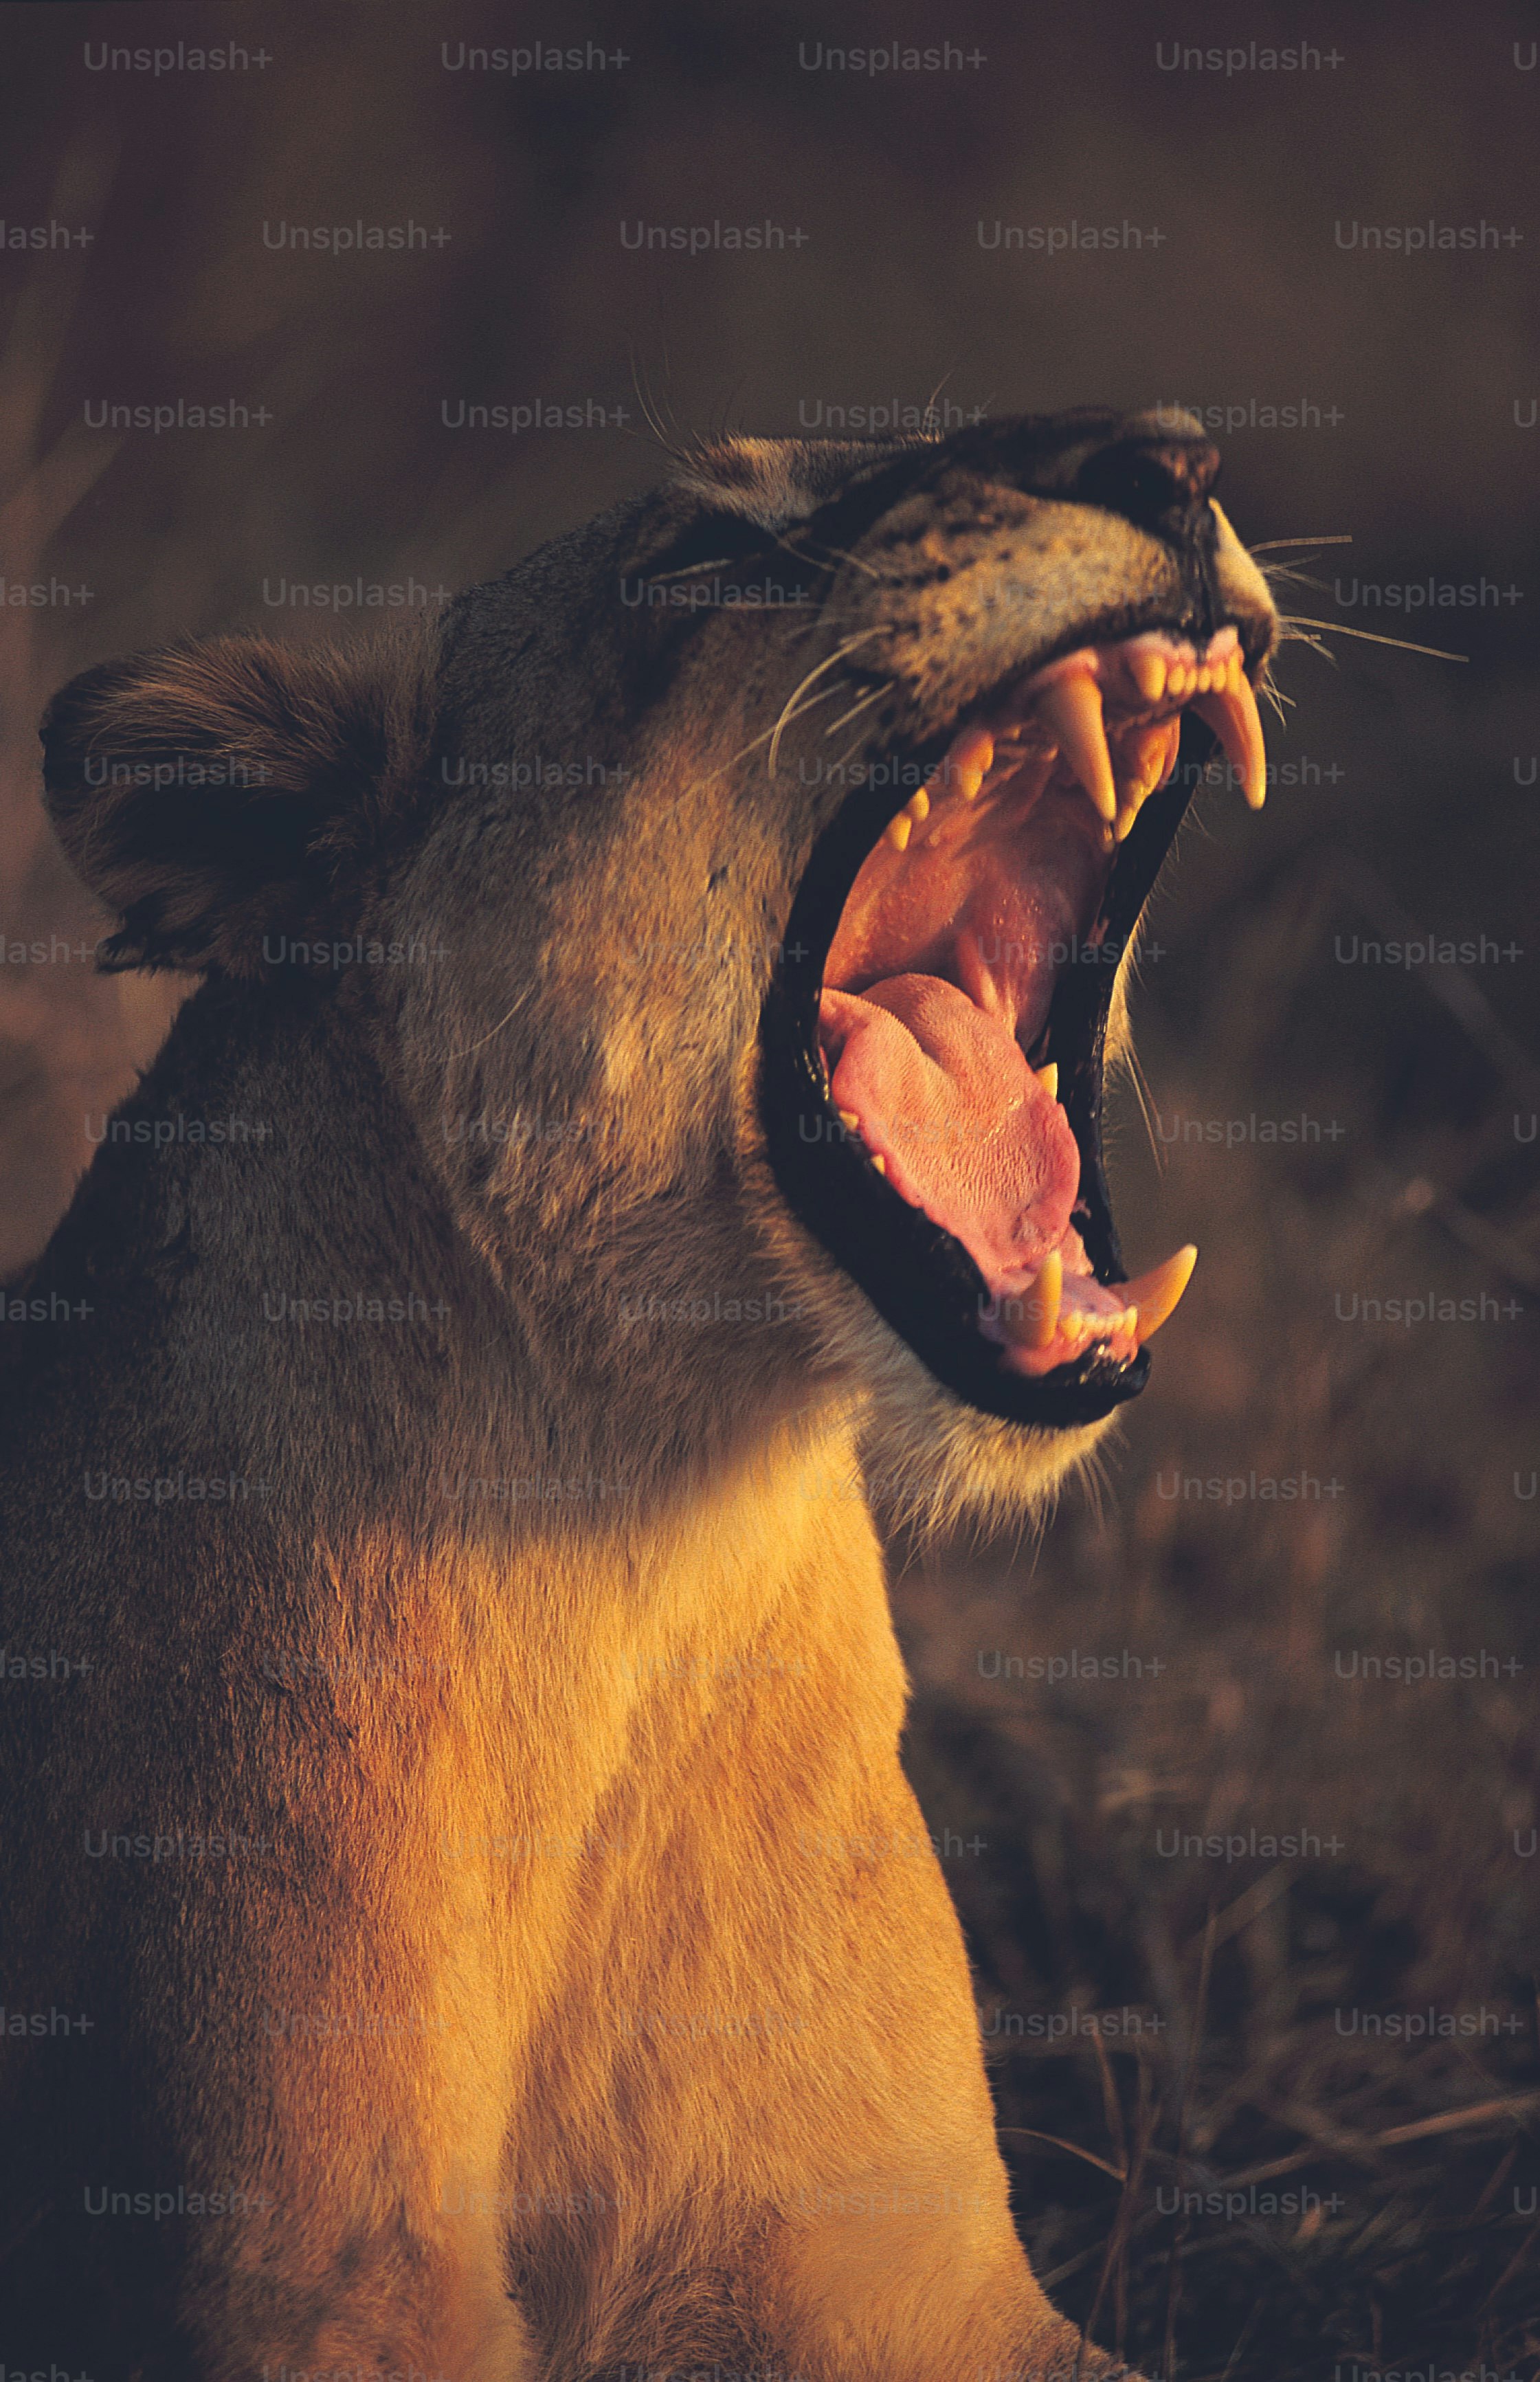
x: 1413, y: 2235
x: 1432, y: 2257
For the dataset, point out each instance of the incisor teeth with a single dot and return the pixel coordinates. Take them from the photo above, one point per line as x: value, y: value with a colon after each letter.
x: 1048, y: 1078
x: 1156, y: 1295
x: 1233, y: 716
x: 897, y: 832
x: 1148, y: 671
x: 1040, y: 1307
x: 1072, y: 711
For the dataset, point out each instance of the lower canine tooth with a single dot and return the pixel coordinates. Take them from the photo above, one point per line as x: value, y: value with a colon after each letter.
x: 1071, y: 710
x: 1150, y: 752
x: 1157, y: 1293
x: 897, y: 832
x: 1040, y: 1307
x: 1233, y: 716
x: 918, y: 806
x: 1048, y: 1078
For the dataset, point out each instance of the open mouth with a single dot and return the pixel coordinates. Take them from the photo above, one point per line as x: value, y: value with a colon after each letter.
x: 935, y: 1034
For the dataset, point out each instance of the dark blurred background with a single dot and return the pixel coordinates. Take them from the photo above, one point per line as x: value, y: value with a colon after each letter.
x: 1377, y: 2181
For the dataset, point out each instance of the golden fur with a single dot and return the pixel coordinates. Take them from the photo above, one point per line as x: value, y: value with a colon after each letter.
x: 586, y: 1993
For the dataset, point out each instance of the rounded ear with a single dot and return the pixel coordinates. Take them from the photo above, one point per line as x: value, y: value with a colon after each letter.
x: 218, y: 790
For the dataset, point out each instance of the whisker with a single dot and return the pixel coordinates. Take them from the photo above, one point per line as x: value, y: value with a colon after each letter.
x: 508, y: 1015
x: 839, y: 554
x: 689, y: 570
x: 829, y: 662
x: 754, y: 742
x: 834, y: 553
x: 1279, y: 574
x: 930, y: 402
x: 651, y: 416
x: 864, y: 705
x: 1266, y: 544
x: 786, y: 538
x: 1275, y: 697
x: 1340, y: 629
x: 765, y: 733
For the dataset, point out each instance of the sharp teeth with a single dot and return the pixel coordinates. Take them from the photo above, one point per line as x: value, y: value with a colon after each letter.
x: 1048, y: 1078
x: 1041, y: 1306
x: 1157, y: 749
x: 970, y: 761
x: 1155, y: 1293
x: 879, y: 1164
x: 1152, y: 751
x: 897, y: 832
x: 1072, y: 710
x: 1148, y: 672
x: 1233, y: 716
x: 918, y: 806
x: 849, y: 1119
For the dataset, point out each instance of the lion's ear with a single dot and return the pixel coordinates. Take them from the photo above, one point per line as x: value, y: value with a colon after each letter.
x: 215, y: 792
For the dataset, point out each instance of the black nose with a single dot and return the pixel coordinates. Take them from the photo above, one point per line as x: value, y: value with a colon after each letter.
x: 1161, y: 482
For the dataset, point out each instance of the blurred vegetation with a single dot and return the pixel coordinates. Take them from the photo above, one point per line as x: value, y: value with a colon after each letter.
x: 1418, y: 2242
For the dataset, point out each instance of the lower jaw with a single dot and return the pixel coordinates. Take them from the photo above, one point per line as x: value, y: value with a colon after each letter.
x: 925, y: 1287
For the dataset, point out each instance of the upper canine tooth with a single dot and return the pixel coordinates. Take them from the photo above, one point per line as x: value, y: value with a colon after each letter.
x: 1233, y: 716
x: 1048, y: 1078
x: 1155, y: 1293
x: 1071, y: 710
x: 918, y: 806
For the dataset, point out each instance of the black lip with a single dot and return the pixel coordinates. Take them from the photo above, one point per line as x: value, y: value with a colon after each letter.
x: 919, y: 1278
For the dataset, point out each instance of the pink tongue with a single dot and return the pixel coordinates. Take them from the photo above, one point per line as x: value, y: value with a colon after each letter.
x: 945, y: 1095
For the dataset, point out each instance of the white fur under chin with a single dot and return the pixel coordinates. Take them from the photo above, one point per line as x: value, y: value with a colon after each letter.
x: 932, y: 1465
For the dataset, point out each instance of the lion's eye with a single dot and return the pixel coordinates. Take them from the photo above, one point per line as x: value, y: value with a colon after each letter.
x: 712, y: 542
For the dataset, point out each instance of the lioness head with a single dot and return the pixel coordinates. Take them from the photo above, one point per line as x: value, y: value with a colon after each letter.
x: 772, y: 850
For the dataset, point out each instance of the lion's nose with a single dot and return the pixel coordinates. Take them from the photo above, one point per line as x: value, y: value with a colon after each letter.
x: 1159, y: 481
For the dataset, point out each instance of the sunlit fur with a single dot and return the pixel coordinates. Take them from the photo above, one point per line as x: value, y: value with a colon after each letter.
x: 578, y: 1799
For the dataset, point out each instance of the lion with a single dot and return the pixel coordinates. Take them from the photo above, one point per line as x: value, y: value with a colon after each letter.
x: 465, y: 1914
